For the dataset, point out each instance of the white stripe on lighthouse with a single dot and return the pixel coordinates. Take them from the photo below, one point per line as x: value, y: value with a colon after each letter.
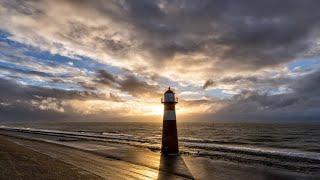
x: 169, y: 115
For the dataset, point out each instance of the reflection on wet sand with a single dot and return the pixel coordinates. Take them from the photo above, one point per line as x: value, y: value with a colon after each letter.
x: 173, y: 166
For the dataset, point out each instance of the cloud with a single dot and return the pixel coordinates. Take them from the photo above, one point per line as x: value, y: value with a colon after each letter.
x: 301, y: 103
x: 13, y: 91
x: 115, y: 97
x: 243, y: 34
x: 308, y: 85
x: 208, y: 83
x: 105, y: 77
x: 259, y: 83
x: 231, y: 36
x: 24, y: 102
x: 26, y: 71
x: 130, y: 84
x: 49, y: 104
x: 137, y: 87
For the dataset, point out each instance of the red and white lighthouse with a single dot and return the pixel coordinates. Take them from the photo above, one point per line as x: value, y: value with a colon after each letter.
x: 169, y: 131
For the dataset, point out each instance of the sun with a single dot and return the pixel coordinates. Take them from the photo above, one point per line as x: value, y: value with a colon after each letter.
x: 156, y: 110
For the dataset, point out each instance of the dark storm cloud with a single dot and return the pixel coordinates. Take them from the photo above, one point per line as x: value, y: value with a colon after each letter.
x: 208, y: 83
x: 250, y: 81
x: 302, y: 102
x: 16, y: 102
x: 130, y: 84
x: 244, y: 34
x: 23, y: 112
x: 23, y: 7
x: 105, y: 77
x: 11, y: 91
x: 308, y: 85
x: 198, y: 102
x: 24, y: 102
x: 136, y: 87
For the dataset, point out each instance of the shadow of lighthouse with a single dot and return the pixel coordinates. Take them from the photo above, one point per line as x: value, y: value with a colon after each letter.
x: 172, y: 167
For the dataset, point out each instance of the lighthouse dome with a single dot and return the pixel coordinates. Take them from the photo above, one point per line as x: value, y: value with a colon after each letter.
x: 169, y: 91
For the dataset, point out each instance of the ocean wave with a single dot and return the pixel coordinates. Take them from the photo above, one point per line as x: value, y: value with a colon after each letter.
x: 197, y: 140
x: 288, y: 154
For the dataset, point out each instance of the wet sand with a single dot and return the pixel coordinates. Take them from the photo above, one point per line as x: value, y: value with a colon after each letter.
x: 98, y: 165
x: 118, y: 161
x: 18, y: 162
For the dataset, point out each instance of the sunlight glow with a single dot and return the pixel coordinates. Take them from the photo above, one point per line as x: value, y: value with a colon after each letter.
x: 156, y: 110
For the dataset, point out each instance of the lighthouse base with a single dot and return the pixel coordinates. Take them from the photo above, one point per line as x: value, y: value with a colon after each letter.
x: 169, y: 138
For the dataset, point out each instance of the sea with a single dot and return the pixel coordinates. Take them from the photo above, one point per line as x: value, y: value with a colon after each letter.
x: 291, y: 146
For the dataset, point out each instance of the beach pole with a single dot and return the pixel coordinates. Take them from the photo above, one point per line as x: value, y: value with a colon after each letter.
x: 169, y: 131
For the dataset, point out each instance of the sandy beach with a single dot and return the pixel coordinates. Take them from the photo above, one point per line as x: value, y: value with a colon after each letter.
x: 80, y: 158
x: 18, y: 162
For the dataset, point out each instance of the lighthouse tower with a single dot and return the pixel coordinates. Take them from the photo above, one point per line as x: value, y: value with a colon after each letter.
x: 169, y: 130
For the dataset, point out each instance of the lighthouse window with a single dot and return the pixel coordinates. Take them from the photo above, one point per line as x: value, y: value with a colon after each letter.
x: 169, y: 97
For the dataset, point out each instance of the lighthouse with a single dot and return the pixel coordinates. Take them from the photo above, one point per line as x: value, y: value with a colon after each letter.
x: 169, y: 131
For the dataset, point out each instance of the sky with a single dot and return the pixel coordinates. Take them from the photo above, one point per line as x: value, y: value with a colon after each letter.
x: 229, y: 60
